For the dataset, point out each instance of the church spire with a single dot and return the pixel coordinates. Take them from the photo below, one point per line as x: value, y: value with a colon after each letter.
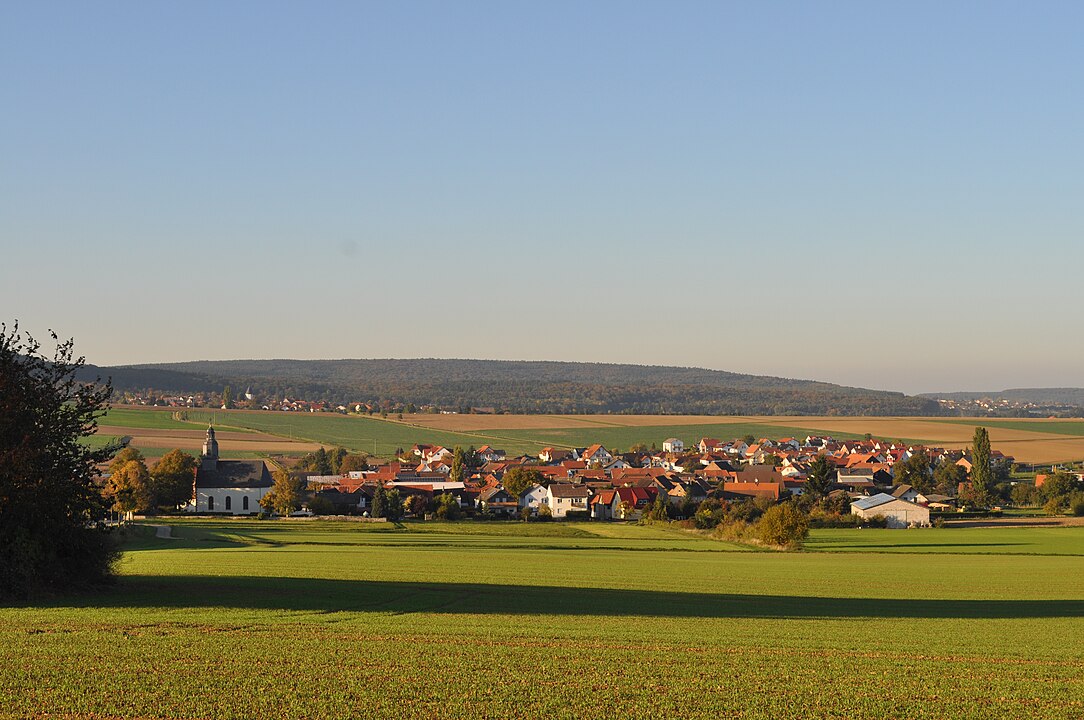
x: 210, y: 449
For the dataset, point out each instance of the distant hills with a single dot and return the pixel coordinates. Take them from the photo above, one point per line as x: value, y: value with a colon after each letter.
x: 518, y: 386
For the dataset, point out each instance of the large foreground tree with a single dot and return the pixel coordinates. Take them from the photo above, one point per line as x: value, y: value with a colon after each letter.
x: 52, y: 537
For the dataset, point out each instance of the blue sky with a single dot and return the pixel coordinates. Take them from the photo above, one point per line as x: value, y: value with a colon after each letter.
x: 876, y: 194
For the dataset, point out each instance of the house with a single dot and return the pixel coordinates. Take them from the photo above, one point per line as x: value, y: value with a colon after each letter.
x: 629, y: 502
x: 596, y: 454
x: 601, y: 504
x: 906, y: 492
x: 673, y: 445
x: 533, y: 497
x: 899, y: 513
x: 498, y: 501
x: 709, y: 445
x: 227, y: 486
x: 564, y: 498
x: 487, y: 454
x: 747, y: 490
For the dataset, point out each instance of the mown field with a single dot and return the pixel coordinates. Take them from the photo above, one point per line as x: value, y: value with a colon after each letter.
x: 1031, y: 441
x: 320, y: 619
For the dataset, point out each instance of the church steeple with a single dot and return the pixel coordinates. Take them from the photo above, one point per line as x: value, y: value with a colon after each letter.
x: 209, y: 457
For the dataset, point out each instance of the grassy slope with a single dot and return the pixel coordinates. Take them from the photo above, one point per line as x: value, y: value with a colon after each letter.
x: 321, y: 620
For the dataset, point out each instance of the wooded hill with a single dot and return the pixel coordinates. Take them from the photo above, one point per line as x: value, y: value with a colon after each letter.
x: 519, y: 386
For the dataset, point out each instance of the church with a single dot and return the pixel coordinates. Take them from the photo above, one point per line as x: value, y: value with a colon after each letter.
x: 232, y: 487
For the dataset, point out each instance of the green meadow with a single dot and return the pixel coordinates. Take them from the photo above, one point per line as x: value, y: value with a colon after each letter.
x: 381, y: 437
x: 364, y: 434
x: 323, y: 619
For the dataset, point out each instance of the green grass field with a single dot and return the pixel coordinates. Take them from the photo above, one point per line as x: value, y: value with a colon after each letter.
x: 320, y: 619
x: 364, y: 434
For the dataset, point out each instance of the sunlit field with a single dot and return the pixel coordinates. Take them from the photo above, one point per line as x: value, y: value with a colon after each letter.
x: 321, y: 619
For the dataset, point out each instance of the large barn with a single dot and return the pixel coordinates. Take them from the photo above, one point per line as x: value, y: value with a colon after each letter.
x: 228, y: 486
x: 899, y: 513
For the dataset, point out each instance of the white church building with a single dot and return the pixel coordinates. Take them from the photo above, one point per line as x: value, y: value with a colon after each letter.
x: 232, y: 487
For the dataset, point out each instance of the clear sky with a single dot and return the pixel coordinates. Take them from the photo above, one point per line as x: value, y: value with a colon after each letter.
x: 888, y: 195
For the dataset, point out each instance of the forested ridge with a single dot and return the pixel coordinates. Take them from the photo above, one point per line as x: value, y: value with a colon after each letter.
x: 520, y: 386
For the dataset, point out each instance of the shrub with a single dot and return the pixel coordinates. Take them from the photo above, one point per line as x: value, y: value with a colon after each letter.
x: 320, y: 505
x: 733, y: 531
x: 783, y: 525
x: 1076, y: 504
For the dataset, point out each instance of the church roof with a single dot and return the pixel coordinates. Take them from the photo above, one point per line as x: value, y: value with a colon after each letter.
x: 234, y: 474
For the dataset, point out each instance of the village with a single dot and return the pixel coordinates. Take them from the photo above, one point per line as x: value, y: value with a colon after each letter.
x: 898, y: 484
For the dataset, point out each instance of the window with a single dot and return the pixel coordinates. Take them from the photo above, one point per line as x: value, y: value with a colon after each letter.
x: 244, y: 503
x: 228, y: 499
x: 210, y: 502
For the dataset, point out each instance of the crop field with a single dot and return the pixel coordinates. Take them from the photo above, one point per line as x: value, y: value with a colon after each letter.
x: 325, y: 619
x: 1027, y: 440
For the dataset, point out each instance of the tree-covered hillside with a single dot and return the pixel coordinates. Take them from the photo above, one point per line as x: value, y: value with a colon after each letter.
x: 522, y: 386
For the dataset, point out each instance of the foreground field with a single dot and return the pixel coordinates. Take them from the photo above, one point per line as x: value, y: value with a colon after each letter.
x: 326, y: 620
x: 1030, y: 441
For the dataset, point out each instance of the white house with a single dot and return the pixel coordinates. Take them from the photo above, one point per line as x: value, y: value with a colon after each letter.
x: 673, y: 445
x: 564, y: 498
x: 898, y: 513
x: 533, y: 497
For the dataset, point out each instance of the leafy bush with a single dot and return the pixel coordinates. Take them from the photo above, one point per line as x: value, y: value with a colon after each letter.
x: 733, y: 531
x: 1076, y: 504
x: 783, y: 525
x: 819, y: 518
x: 320, y: 505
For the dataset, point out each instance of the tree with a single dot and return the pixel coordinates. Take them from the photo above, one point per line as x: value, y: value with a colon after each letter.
x: 393, y: 509
x: 354, y: 463
x: 947, y: 477
x: 982, y: 479
x: 821, y: 477
x: 1024, y: 494
x: 783, y: 525
x: 124, y: 456
x: 129, y: 487
x: 335, y: 459
x: 171, y: 479
x: 660, y: 508
x: 380, y: 502
x: 458, y: 465
x: 227, y: 396
x: 914, y: 471
x: 417, y: 505
x: 448, y: 507
x: 284, y: 497
x: 52, y: 534
x: 518, y: 480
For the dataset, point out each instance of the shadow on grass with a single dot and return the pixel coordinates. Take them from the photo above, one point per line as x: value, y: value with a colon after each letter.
x: 331, y: 596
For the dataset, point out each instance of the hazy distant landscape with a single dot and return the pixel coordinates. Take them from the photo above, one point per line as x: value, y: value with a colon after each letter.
x: 522, y: 386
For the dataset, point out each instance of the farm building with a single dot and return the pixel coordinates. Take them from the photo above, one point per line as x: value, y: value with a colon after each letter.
x: 899, y: 513
x: 227, y: 486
